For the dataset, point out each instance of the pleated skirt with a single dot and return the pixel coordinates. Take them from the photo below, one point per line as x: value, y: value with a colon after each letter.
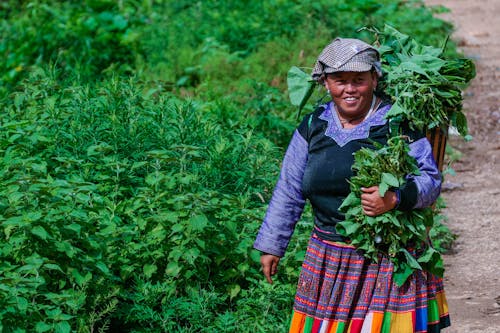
x: 340, y: 291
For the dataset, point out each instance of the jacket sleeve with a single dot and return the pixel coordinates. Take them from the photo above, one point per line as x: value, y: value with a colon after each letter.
x: 421, y: 190
x: 287, y: 201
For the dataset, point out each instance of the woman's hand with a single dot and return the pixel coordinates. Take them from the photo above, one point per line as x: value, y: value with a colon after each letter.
x: 269, y: 264
x: 373, y: 204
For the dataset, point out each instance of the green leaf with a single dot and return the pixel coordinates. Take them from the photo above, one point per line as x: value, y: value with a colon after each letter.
x: 300, y: 255
x: 432, y: 262
x: 63, y: 327
x: 173, y: 269
x: 350, y: 200
x: 461, y: 123
x: 98, y: 149
x: 54, y: 313
x: 66, y: 248
x: 255, y: 256
x: 137, y: 165
x: 371, y: 220
x: 234, y: 290
x: 149, y: 270
x: 429, y: 62
x: 41, y: 327
x: 191, y: 254
x: 298, y: 85
x: 54, y: 267
x: 413, y: 67
x: 390, y: 216
x: 347, y: 228
x: 395, y: 110
x: 40, y: 232
x: 33, y: 216
x: 119, y: 22
x: 382, y: 188
x: 410, y: 260
x: 176, y: 228
x: 175, y: 253
x: 158, y: 233
x: 80, y: 279
x: 201, y: 243
x: 102, y: 267
x: 390, y: 179
x: 402, y: 273
x: 22, y: 304
x: 198, y: 222
x: 74, y: 227
x: 171, y: 216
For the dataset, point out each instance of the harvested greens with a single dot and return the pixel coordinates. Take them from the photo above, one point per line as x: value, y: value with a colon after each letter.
x: 394, y: 232
x: 425, y: 87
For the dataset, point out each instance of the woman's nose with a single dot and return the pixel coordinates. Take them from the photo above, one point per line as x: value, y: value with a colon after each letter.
x: 349, y: 87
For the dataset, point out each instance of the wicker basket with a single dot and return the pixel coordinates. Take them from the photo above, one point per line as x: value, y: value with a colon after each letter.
x: 437, y: 137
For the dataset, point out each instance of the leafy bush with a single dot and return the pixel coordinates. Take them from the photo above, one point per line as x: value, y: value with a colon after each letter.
x: 87, y: 171
x: 84, y: 38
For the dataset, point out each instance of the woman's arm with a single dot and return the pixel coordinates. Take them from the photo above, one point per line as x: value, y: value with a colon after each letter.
x: 287, y: 202
x: 419, y: 191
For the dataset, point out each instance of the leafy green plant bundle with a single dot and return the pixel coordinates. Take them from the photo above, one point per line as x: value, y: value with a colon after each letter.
x: 389, y: 233
x: 426, y: 88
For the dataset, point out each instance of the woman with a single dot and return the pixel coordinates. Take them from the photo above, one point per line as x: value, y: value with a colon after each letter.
x: 338, y: 289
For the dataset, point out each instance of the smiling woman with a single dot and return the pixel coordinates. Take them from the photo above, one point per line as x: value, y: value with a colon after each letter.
x: 339, y: 289
x: 352, y: 94
x: 349, y: 70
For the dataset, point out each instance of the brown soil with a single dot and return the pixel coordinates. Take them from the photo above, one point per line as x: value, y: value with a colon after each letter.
x: 472, y: 277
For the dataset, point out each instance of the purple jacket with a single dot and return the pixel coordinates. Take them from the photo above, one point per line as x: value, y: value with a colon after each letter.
x: 288, y: 201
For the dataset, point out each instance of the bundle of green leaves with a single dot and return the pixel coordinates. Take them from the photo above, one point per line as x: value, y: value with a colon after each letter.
x: 425, y: 86
x: 400, y: 235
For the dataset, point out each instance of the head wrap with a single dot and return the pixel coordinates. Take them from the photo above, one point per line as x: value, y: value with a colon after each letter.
x: 347, y: 55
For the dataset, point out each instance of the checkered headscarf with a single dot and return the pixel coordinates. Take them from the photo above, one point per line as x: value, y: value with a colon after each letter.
x: 346, y: 55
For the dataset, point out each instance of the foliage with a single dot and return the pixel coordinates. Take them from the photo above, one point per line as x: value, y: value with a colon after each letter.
x: 426, y: 87
x: 86, y: 171
x: 390, y: 233
x: 262, y: 39
x: 152, y: 311
x: 440, y: 235
x: 84, y: 38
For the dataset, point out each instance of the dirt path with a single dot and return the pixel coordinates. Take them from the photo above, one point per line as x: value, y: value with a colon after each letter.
x: 472, y: 277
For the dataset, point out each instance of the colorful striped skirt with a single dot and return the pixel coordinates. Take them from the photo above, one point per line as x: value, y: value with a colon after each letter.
x: 339, y: 291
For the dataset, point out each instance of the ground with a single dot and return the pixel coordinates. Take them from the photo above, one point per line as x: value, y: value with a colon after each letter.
x: 472, y: 277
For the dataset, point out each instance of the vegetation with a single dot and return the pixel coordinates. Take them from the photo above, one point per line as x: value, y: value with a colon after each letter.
x: 140, y: 142
x: 392, y: 232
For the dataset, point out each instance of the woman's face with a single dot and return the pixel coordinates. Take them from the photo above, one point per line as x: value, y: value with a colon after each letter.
x: 352, y: 92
